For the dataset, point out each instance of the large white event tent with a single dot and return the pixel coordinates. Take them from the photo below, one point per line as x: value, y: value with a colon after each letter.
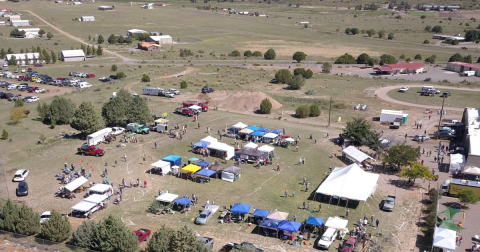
x: 350, y: 182
x: 222, y: 147
x: 162, y: 166
x: 72, y: 186
x: 239, y: 126
x: 167, y: 197
x: 457, y: 162
x: 355, y: 154
x: 100, y: 189
x: 444, y: 239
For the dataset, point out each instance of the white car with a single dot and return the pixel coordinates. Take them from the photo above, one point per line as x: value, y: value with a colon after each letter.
x: 45, y: 216
x: 174, y: 91
x: 20, y: 175
x: 39, y: 90
x: 170, y: 94
x: 33, y: 99
x: 117, y: 131
x: 403, y: 89
x: 12, y: 87
x: 23, y: 70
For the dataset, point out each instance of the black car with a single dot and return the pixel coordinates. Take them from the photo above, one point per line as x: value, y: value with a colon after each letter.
x: 464, y: 48
x: 446, y: 94
x: 446, y: 135
x: 250, y: 246
x: 106, y: 79
x: 3, y: 95
x: 7, y: 96
x: 207, y: 90
x: 22, y: 189
x: 274, y: 80
x: 113, y: 77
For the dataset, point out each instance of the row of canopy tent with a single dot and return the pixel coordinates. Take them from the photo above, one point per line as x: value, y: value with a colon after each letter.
x: 355, y: 155
x: 167, y: 164
x: 245, y: 129
x: 229, y: 174
x: 212, y: 143
x: 445, y: 235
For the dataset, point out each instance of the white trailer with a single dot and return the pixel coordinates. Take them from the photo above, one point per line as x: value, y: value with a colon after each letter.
x: 468, y: 73
x: 99, y: 136
x: 153, y: 91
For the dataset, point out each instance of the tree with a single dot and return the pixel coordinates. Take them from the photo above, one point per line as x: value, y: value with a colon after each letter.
x: 3, y: 54
x: 112, y: 39
x: 161, y: 240
x: 472, y: 35
x: 418, y: 57
x: 121, y: 75
x: 89, y: 37
x: 41, y: 33
x: 257, y: 54
x: 121, y: 39
x: 10, y: 51
x: 457, y: 57
x: 381, y: 34
x: 9, y: 216
x: 428, y: 28
x: 371, y: 32
x: 315, y: 110
x: 62, y: 110
x: 111, y: 235
x: 17, y: 114
x: 87, y: 119
x: 327, y: 67
x: 53, y: 57
x: 138, y: 111
x: 417, y: 170
x: 265, y: 106
x: 114, y: 68
x: 183, y: 85
x: 363, y: 58
x: 89, y: 50
x: 235, y: 53
x: 270, y: 54
x: 308, y: 74
x: 354, y: 31
x: 12, y: 61
x: 437, y: 29
x: 408, y: 60
x: 361, y: 133
x: 57, y: 229
x: 387, y: 59
x: 299, y: 56
x: 347, y: 31
x: 128, y: 40
x: 19, y: 103
x: 42, y: 138
x: 402, y: 56
x: 145, y: 78
x: 49, y: 35
x: 299, y: 71
x: 467, y: 196
x: 185, y: 240
x: 247, y: 53
x: 345, y: 59
x: 296, y: 82
x: 100, y: 39
x: 423, y: 16
x: 43, y: 110
x: 99, y: 50
x: 114, y: 111
x: 283, y: 75
x: 402, y: 155
x: 4, y: 134
x: 28, y: 222
x: 431, y: 59
x: 391, y: 36
x: 83, y: 236
x: 303, y: 111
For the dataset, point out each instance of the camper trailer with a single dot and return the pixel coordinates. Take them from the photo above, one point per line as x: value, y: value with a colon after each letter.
x: 153, y: 91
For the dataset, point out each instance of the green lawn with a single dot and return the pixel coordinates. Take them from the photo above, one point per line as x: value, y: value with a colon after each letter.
x: 421, y: 13
x: 458, y: 99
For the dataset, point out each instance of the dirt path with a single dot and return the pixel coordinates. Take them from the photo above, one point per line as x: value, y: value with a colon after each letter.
x: 382, y: 93
x: 129, y: 86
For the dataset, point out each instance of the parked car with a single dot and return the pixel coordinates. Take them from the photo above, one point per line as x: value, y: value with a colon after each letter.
x: 45, y: 216
x: 174, y: 91
x: 15, y: 97
x: 31, y: 89
x: 39, y: 65
x: 206, y: 90
x: 349, y: 245
x: 445, y: 135
x: 12, y: 87
x: 117, y: 131
x: 22, y: 189
x: 204, y: 216
x: 464, y: 48
x: 327, y: 238
x: 446, y: 94
x: 106, y: 80
x: 274, y: 81
x: 26, y: 98
x: 3, y: 95
x: 90, y: 75
x: 403, y: 89
x: 169, y: 94
x: 21, y: 78
x: 33, y: 99
x: 113, y: 77
x: 39, y: 90
x: 15, y: 71
x: 23, y: 70
x: 208, y: 241
x: 143, y: 235
x: 251, y: 246
x: 420, y: 136
x: 29, y: 70
x: 20, y: 175
x: 389, y: 203
x: 448, y: 129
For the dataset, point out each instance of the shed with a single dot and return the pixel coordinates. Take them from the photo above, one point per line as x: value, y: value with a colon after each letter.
x: 173, y: 160
x: 73, y: 55
x: 160, y: 40
x: 390, y: 115
x: 88, y: 18
x: 19, y: 23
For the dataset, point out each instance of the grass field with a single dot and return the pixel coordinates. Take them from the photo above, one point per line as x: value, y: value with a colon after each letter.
x: 458, y: 99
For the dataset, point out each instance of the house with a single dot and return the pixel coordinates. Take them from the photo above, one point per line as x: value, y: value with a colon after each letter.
x: 149, y: 46
x: 15, y: 17
x: 73, y: 55
x: 160, y: 40
x: 106, y: 8
x: 135, y: 32
x: 30, y: 32
x: 18, y: 23
x: 87, y: 18
x: 23, y: 58
x: 401, y: 68
x: 461, y: 67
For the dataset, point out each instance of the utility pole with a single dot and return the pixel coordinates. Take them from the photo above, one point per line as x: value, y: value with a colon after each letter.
x: 329, y: 111
x: 440, y: 120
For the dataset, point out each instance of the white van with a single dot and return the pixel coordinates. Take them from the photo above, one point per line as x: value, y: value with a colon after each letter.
x: 84, y: 84
x: 468, y: 73
x: 425, y: 88
x: 327, y: 238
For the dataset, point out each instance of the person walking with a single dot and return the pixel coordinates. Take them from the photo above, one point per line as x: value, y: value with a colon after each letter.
x: 429, y: 184
x: 319, y: 208
x: 406, y: 135
x: 296, y: 147
x: 372, y: 220
x: 460, y: 241
x: 346, y: 213
x: 377, y: 222
x: 304, y: 180
x: 308, y: 206
x: 286, y: 193
x: 293, y: 194
x: 422, y: 162
x: 278, y: 167
x: 307, y: 187
x: 429, y: 116
x: 155, y: 145
x: 145, y: 184
x: 304, y: 205
x: 303, y: 161
x: 315, y: 140
x: 300, y: 162
x: 125, y: 156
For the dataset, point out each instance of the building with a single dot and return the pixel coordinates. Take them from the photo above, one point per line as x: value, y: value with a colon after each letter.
x: 19, y: 23
x: 401, y: 68
x: 135, y: 32
x: 23, y: 58
x: 149, y: 46
x: 87, y: 18
x: 461, y: 67
x: 73, y: 55
x: 105, y: 8
x: 15, y: 17
x: 160, y: 40
x: 30, y: 32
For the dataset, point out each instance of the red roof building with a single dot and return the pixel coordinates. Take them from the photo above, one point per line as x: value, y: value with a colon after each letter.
x: 401, y: 68
x: 461, y: 67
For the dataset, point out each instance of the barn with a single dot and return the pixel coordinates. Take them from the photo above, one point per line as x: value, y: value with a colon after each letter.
x: 160, y: 40
x: 23, y: 57
x: 88, y: 18
x: 105, y: 8
x: 73, y: 55
x: 15, y: 17
x: 19, y: 23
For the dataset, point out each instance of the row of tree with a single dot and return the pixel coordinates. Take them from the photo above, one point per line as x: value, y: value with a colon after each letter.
x: 457, y: 57
x: 304, y: 111
x: 20, y: 34
x: 119, y: 39
x: 295, y: 81
x: 366, y: 59
x: 92, y: 50
x: 369, y: 32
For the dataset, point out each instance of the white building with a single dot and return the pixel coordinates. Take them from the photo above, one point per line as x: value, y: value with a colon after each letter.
x: 88, y: 18
x: 73, y: 55
x: 23, y: 57
x: 15, y: 17
x: 105, y: 8
x: 160, y: 40
x: 135, y: 32
x: 19, y: 23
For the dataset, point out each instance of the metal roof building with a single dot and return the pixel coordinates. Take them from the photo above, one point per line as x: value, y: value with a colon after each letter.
x: 88, y: 18
x: 73, y: 55
x: 21, y: 57
x: 160, y: 40
x: 18, y: 23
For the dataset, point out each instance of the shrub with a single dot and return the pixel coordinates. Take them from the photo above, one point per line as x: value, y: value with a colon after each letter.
x: 428, y: 79
x: 145, y: 78
x: 283, y: 75
x: 183, y: 85
x: 303, y: 111
x: 299, y: 56
x: 310, y: 92
x: 19, y: 103
x: 299, y: 71
x: 296, y: 82
x: 114, y: 68
x: 235, y: 53
x: 418, y: 57
x: 257, y: 54
x: 314, y: 110
x: 308, y: 74
x: 4, y: 134
x: 327, y: 67
x: 247, y: 53
x: 265, y: 106
x: 121, y: 75
x: 270, y: 54
x: 345, y: 59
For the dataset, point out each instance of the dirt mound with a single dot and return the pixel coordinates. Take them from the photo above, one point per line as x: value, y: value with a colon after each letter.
x: 238, y: 101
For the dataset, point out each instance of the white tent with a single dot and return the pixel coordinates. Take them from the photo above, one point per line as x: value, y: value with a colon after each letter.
x: 72, y: 186
x: 390, y: 115
x: 457, y: 162
x: 100, y: 188
x: 289, y: 139
x: 355, y: 154
x: 350, y: 182
x: 162, y: 166
x: 83, y: 206
x: 195, y: 107
x: 266, y: 148
x: 472, y: 170
x: 251, y: 146
x: 239, y: 126
x: 444, y: 238
x: 336, y: 223
x: 167, y: 197
x: 246, y: 131
x: 96, y: 198
x: 209, y: 139
x: 222, y: 147
x: 270, y: 135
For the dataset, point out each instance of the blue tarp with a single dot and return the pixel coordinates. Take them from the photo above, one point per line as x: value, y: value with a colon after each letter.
x: 263, y: 130
x: 174, y: 160
x: 183, y: 201
x: 289, y: 226
x: 276, y: 131
x: 205, y: 172
x: 254, y: 128
x: 260, y: 213
x: 257, y: 133
x: 240, y: 208
x: 315, y: 221
x: 201, y: 144
x: 203, y: 164
x: 270, y: 223
x: 193, y: 159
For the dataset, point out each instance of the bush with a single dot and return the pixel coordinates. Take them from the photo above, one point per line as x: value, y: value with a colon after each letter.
x: 145, y: 78
x: 418, y: 57
x: 426, y: 41
x: 299, y: 71
x: 437, y: 29
x: 454, y: 42
x: 327, y: 67
x: 283, y: 75
x: 270, y: 54
x: 114, y: 68
x: 265, y: 106
x: 235, y: 53
x: 185, y: 53
x: 423, y: 16
x: 247, y: 53
x: 183, y: 85
x: 121, y: 75
x: 4, y: 134
x: 428, y: 79
x: 19, y: 103
x: 391, y: 36
x: 296, y: 82
x: 303, y: 111
x: 299, y: 56
x: 257, y: 54
x: 310, y: 92
x: 345, y: 59
x: 314, y: 110
x: 308, y: 74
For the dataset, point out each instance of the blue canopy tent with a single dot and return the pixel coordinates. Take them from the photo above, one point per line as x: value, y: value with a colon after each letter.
x: 289, y: 227
x: 174, y: 160
x: 205, y: 173
x: 203, y: 164
x: 201, y: 144
x: 270, y: 224
x: 183, y: 201
x: 240, y: 208
x: 315, y: 221
x: 276, y: 131
x: 258, y: 133
x: 263, y: 130
x: 254, y: 128
x: 193, y: 159
x: 259, y: 215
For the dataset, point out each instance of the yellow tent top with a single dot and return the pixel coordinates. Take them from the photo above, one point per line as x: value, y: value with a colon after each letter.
x: 191, y: 168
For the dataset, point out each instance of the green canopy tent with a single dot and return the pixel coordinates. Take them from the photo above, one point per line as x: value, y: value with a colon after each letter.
x: 448, y: 224
x: 451, y: 212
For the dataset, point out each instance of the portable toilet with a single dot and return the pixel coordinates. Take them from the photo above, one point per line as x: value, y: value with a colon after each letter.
x: 404, y: 118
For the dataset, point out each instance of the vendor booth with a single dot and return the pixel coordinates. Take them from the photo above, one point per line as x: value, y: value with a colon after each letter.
x: 190, y: 171
x: 257, y: 136
x: 251, y: 146
x: 205, y: 175
x: 266, y: 149
x: 217, y: 168
x: 203, y: 164
x: 240, y: 208
x: 471, y: 170
x: 201, y: 144
x: 259, y: 215
x: 162, y: 167
x: 276, y: 131
x: 96, y: 198
x: 278, y: 215
x: 173, y: 160
x: 254, y: 128
x: 245, y: 131
x: 269, y: 137
x: 166, y: 198
x: 457, y: 163
x: 100, y: 189
x: 183, y: 204
x: 263, y: 130
x: 289, y: 229
x: 83, y: 208
x: 444, y: 240
x: 338, y: 224
x: 239, y: 126
x: 77, y: 183
x: 221, y: 149
x: 355, y: 155
x: 270, y: 227
x: 313, y: 222
x: 231, y: 174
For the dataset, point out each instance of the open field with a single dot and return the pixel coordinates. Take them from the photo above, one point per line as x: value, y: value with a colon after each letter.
x: 459, y: 98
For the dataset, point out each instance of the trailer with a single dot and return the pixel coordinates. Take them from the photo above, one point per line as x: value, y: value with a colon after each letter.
x: 454, y: 186
x: 153, y: 91
x: 468, y: 73
x: 99, y: 136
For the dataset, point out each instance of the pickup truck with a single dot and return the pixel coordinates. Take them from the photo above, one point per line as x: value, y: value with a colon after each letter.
x: 349, y: 245
x: 187, y: 104
x: 174, y: 91
x: 206, y: 214
x: 137, y: 128
x: 184, y: 111
x: 143, y: 234
x: 90, y: 150
x: 208, y: 241
x: 450, y: 123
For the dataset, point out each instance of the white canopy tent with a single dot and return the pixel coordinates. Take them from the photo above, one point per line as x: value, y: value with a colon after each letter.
x: 266, y: 148
x: 209, y: 139
x: 457, y: 162
x: 239, y: 125
x: 289, y: 139
x: 222, y: 147
x: 100, y: 189
x: 83, y: 206
x: 336, y: 223
x: 96, y: 198
x: 162, y: 166
x: 270, y: 135
x: 72, y: 186
x: 167, y: 197
x: 444, y: 238
x: 251, y: 146
x: 350, y: 182
x: 355, y: 154
x: 246, y: 131
x: 472, y: 170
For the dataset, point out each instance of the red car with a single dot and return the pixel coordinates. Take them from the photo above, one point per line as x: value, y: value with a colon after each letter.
x: 90, y: 75
x: 349, y: 245
x: 91, y: 150
x: 21, y: 78
x: 61, y: 79
x: 32, y: 89
x: 29, y: 70
x: 39, y: 65
x: 143, y: 234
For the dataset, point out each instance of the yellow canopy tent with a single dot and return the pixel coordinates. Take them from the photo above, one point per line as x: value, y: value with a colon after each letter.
x: 191, y: 168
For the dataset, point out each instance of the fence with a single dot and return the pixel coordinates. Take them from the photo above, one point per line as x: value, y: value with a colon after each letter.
x: 31, y: 242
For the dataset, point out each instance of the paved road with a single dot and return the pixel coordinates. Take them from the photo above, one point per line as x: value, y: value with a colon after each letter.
x: 382, y: 94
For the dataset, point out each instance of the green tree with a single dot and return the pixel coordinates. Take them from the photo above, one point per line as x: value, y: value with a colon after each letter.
x: 111, y: 235
x: 347, y: 31
x: 10, y: 51
x: 467, y: 196
x: 49, y: 35
x: 83, y: 236
x: 87, y: 119
x: 121, y: 39
x: 265, y: 106
x: 57, y: 229
x: 361, y: 133
x: 257, y: 54
x: 9, y: 214
x: 428, y: 28
x: 472, y: 35
x: 183, y: 85
x: 89, y: 37
x: 371, y: 32
x: 185, y: 240
x: 308, y: 74
x: 19, y: 103
x: 161, y: 240
x: 401, y: 155
x: 114, y: 68
x: 345, y: 59
x: 53, y: 57
x: 3, y: 54
x: 62, y: 110
x: 381, y: 34
x: 41, y: 33
x: 12, y: 61
x: 457, y: 57
x: 270, y: 54
x: 391, y: 36
x: 315, y: 110
x: 418, y: 57
x: 145, y: 78
x: 28, y: 222
x: 363, y: 59
x: 283, y: 75
x: 299, y: 56
x: 100, y: 39
x: 89, y: 50
x: 387, y: 59
x: 46, y: 57
x: 327, y: 67
x: 354, y: 31
x: 247, y: 53
x: 43, y: 110
x: 99, y: 50
x: 299, y: 71
x: 112, y: 39
x: 423, y: 16
x: 437, y: 29
x: 296, y: 82
x: 467, y: 59
x: 402, y: 56
x: 17, y: 114
x: 114, y: 111
x: 303, y: 111
x: 244, y: 248
x: 417, y: 170
x: 4, y: 134
x: 431, y: 59
x: 128, y: 40
x: 138, y: 111
x: 121, y: 75
x: 235, y: 53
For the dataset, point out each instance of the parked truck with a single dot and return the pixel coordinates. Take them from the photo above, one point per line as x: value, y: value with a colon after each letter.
x: 187, y: 104
x: 451, y: 123
x: 468, y: 73
x: 184, y: 111
x: 90, y: 150
x: 143, y: 234
x: 137, y: 128
x: 99, y: 136
x: 454, y: 186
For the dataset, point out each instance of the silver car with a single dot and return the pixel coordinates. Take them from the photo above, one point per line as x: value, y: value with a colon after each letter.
x: 420, y: 136
x: 389, y: 203
x: 204, y: 216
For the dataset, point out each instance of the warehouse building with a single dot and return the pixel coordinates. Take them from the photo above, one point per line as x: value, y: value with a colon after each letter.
x: 461, y: 67
x: 73, y: 55
x: 19, y: 23
x: 88, y: 18
x: 23, y: 58
x: 160, y: 40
